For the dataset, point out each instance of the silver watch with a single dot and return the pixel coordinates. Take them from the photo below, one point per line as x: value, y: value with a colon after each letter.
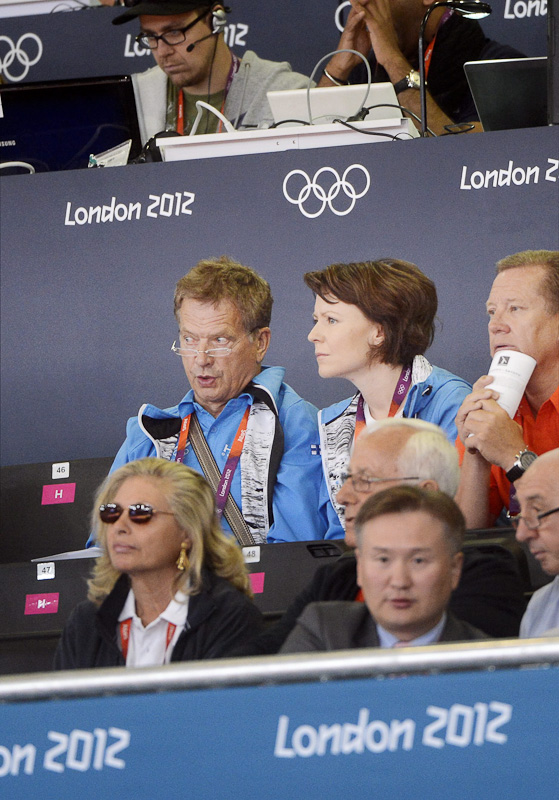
x: 411, y: 81
x: 522, y: 461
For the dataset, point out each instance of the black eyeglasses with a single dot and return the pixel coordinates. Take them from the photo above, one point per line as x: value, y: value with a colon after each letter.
x: 140, y: 513
x: 532, y: 521
x: 171, y: 38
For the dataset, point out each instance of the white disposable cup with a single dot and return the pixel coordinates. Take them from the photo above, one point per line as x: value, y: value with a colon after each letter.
x: 511, y: 372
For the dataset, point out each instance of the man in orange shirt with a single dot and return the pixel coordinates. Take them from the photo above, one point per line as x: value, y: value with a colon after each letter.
x: 523, y: 308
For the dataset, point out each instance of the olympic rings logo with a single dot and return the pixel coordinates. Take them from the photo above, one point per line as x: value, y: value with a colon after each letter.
x: 16, y: 51
x: 328, y: 192
x: 338, y: 15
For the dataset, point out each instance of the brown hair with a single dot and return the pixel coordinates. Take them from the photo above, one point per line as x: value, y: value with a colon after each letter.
x: 402, y: 499
x: 391, y: 292
x: 214, y: 280
x: 549, y: 261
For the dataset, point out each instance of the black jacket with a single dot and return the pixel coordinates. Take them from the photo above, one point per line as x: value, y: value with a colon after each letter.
x: 219, y: 619
x: 489, y: 596
x: 458, y: 40
x: 344, y: 626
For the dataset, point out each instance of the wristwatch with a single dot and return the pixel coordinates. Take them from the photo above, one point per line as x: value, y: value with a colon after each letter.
x: 522, y: 461
x: 411, y: 81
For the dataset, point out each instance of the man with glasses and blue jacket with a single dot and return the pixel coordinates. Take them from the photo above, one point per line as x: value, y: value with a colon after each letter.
x: 240, y: 425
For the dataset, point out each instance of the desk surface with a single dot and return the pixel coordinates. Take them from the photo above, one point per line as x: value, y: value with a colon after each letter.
x: 273, y: 140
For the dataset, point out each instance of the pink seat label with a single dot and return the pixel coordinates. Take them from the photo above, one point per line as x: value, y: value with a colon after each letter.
x: 58, y: 493
x: 41, y: 603
x: 257, y: 582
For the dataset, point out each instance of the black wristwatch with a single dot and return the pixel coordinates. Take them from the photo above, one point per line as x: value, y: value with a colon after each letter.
x: 411, y: 81
x: 522, y: 461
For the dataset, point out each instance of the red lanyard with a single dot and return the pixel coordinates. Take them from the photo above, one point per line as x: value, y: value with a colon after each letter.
x: 180, y: 113
x: 125, y: 627
x: 183, y: 438
x: 429, y: 51
x: 400, y: 392
x: 224, y: 486
x: 235, y: 64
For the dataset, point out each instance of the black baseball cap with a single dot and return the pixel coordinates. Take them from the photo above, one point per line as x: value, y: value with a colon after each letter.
x: 160, y: 8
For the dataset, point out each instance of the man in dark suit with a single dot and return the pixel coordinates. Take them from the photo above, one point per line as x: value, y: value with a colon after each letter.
x: 415, y: 452
x: 409, y: 561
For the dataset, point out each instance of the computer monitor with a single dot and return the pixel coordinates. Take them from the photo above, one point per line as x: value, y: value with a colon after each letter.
x: 57, y: 125
x: 509, y: 92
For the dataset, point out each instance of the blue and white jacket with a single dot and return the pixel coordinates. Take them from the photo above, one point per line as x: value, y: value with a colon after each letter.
x: 277, y: 483
x: 435, y: 396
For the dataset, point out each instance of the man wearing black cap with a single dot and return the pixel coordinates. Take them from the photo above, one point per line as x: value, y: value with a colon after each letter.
x: 194, y: 63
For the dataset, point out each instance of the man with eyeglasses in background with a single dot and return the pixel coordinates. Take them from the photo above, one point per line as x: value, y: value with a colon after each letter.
x: 409, y: 559
x: 240, y: 425
x: 538, y: 526
x: 194, y: 63
x: 489, y: 595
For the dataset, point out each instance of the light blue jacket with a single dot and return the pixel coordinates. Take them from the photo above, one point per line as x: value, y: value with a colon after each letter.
x: 435, y: 399
x: 293, y: 496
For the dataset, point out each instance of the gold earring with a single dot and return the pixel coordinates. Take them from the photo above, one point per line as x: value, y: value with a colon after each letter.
x: 182, y: 560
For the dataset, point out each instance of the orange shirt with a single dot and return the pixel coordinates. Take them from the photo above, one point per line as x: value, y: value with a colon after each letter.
x: 540, y: 435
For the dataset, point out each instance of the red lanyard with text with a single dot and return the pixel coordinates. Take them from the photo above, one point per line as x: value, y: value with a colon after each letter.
x: 234, y: 68
x: 224, y: 486
x: 125, y: 627
x: 429, y: 51
x: 400, y: 392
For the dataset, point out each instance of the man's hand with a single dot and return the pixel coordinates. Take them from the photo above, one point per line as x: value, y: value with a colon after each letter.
x: 486, y: 428
x: 354, y: 37
x: 378, y: 20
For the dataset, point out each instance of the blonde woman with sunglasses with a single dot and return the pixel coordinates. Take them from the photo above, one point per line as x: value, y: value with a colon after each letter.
x: 169, y: 585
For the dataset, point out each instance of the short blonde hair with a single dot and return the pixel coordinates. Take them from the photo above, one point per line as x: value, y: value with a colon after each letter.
x: 192, y: 502
x: 215, y: 280
x: 549, y: 261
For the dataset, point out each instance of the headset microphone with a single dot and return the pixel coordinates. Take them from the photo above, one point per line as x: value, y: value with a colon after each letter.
x: 191, y: 46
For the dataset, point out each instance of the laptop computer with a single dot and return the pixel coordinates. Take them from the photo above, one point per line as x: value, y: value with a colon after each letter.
x: 336, y: 102
x: 46, y: 507
x: 509, y: 93
x: 57, y: 125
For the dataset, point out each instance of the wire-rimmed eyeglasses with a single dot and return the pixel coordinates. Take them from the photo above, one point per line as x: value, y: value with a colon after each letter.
x: 213, y: 352
x: 361, y: 483
x: 532, y: 521
x: 171, y: 38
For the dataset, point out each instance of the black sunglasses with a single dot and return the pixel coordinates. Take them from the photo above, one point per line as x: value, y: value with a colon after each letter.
x: 140, y: 513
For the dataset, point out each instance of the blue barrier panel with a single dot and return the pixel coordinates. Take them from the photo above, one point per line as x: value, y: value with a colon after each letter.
x: 463, y: 735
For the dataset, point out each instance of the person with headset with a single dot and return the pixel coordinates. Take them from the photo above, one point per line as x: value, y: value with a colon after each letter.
x: 194, y: 63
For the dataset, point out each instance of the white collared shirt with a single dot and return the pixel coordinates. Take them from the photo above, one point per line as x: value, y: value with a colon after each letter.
x: 387, y: 639
x: 147, y: 646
